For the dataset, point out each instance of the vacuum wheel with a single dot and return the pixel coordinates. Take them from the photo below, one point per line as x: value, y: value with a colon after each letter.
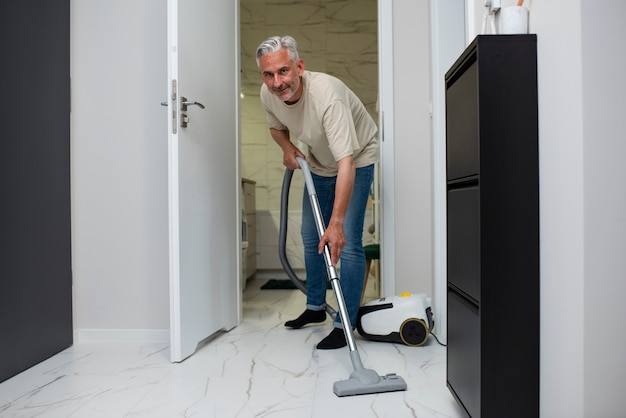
x: 414, y: 331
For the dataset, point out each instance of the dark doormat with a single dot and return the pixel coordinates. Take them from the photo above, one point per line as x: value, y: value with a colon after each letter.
x: 285, y: 284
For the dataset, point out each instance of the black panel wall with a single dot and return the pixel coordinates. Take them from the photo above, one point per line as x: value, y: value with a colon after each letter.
x: 35, y: 253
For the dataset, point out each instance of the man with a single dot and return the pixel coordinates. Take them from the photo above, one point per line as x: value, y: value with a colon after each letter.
x: 342, y: 139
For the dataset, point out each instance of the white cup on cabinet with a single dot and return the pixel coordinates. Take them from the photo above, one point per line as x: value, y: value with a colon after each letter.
x: 513, y: 20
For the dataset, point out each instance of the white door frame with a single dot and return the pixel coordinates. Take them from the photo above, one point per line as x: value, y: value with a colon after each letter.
x: 387, y: 176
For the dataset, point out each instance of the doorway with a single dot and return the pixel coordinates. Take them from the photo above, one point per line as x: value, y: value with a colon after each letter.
x: 339, y: 38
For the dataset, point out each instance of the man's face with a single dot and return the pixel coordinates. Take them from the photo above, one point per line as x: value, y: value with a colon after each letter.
x: 281, y: 75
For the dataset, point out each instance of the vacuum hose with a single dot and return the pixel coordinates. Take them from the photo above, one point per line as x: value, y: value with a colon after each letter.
x: 282, y: 237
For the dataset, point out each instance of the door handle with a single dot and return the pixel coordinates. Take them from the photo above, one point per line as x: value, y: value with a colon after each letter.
x: 184, y: 103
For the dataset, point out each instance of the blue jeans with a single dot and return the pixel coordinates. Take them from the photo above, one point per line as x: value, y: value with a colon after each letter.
x: 352, y: 261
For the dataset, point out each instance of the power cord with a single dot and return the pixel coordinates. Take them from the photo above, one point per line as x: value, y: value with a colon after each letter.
x: 440, y: 343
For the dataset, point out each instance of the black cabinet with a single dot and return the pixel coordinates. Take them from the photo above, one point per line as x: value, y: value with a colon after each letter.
x: 493, y: 227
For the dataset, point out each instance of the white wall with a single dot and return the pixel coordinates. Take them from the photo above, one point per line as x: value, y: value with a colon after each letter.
x: 583, y: 227
x: 604, y: 177
x: 410, y: 145
x: 561, y: 207
x: 448, y: 23
x: 119, y: 165
x: 582, y: 205
x: 414, y: 144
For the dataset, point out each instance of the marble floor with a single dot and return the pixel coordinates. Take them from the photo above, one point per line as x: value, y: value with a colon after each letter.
x: 259, y: 369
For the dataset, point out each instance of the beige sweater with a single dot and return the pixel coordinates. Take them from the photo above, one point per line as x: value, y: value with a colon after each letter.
x: 330, y: 119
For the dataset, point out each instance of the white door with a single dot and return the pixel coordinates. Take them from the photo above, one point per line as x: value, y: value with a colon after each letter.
x: 203, y: 171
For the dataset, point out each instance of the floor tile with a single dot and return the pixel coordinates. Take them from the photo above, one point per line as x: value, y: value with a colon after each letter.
x: 259, y: 369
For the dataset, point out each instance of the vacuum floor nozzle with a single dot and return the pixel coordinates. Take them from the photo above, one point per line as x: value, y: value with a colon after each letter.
x: 357, y: 385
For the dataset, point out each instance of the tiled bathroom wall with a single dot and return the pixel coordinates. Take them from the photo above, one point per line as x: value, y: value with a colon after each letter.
x: 338, y: 37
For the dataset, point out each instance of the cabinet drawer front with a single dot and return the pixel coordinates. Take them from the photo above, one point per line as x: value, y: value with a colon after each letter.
x: 464, y: 240
x: 462, y: 125
x: 463, y: 351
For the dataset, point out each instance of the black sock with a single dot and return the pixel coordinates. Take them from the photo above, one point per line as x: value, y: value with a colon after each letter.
x: 336, y: 339
x: 308, y: 317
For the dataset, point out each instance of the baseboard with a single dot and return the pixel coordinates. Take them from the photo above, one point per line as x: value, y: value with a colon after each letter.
x: 122, y: 335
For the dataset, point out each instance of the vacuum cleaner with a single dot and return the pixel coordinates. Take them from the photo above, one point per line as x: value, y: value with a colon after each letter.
x: 405, y: 319
x: 361, y: 381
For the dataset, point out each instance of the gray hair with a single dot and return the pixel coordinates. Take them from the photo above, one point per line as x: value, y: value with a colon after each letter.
x: 275, y: 44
